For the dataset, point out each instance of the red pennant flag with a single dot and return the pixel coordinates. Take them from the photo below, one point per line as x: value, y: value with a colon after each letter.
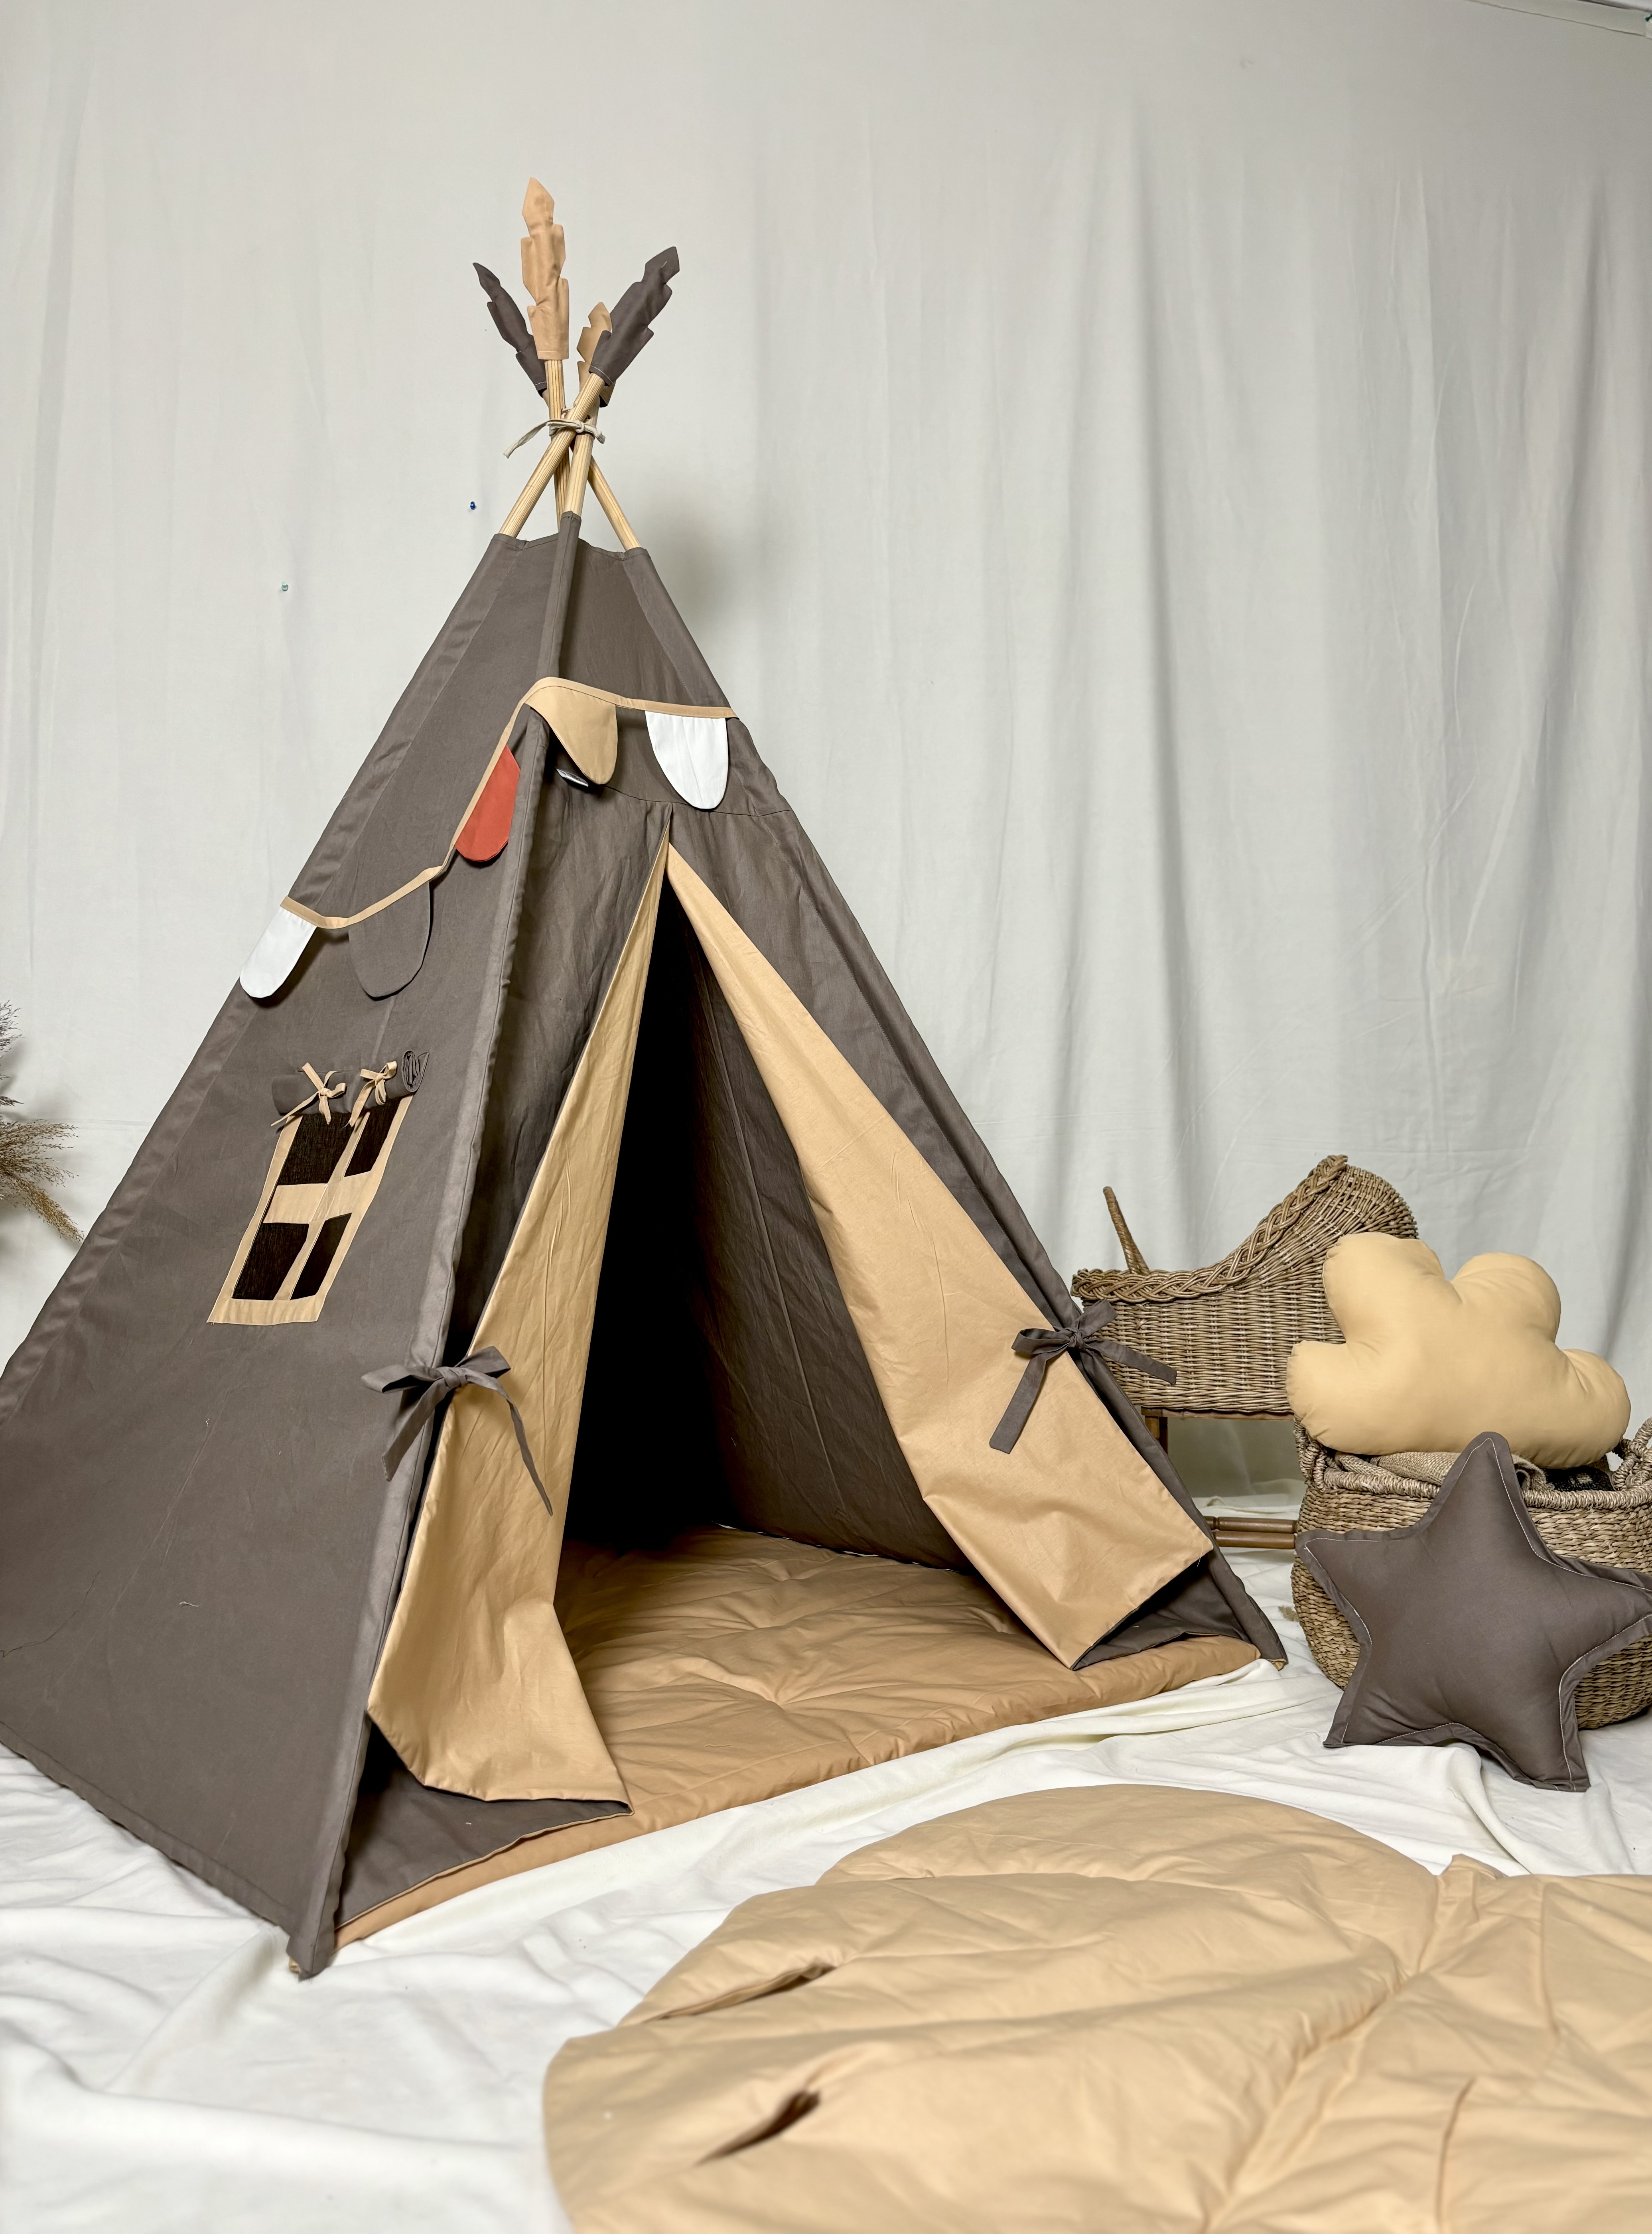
x: 483, y: 835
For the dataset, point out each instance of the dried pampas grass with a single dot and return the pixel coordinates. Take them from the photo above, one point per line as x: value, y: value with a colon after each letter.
x: 29, y: 1152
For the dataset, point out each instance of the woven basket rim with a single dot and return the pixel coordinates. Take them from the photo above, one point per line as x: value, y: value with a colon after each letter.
x: 1245, y: 1266
x: 1320, y: 1464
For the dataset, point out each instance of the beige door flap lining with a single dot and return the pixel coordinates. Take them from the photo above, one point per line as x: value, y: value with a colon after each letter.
x: 475, y: 1689
x: 1072, y: 1528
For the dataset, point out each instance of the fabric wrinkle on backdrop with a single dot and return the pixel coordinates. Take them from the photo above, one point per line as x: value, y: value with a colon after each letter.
x: 1168, y: 489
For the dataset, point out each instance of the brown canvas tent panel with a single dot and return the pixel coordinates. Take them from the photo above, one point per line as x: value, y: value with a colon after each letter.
x: 631, y: 1098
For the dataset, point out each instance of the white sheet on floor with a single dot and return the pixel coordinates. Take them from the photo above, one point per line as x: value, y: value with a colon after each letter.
x: 161, y: 2070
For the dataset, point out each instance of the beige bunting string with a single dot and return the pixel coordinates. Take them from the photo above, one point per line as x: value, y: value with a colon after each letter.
x: 545, y: 697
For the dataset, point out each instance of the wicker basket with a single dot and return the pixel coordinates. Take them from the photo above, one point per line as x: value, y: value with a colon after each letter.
x: 1607, y: 1519
x: 1229, y: 1329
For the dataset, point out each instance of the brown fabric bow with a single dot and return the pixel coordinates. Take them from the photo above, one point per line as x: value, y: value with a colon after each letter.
x: 480, y: 1370
x: 1041, y: 1346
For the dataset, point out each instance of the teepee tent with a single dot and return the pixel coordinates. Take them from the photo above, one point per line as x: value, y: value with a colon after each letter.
x: 564, y: 1161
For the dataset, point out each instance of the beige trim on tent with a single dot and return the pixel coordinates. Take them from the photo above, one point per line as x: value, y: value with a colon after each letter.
x: 1072, y: 1528
x: 475, y: 1689
x: 585, y: 721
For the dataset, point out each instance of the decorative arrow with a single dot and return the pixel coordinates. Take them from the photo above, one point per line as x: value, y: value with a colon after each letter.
x: 511, y: 325
x: 629, y: 331
x: 632, y: 326
x: 542, y: 257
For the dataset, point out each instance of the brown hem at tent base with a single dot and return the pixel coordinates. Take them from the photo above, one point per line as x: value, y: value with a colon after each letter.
x: 691, y: 1659
x: 250, y: 1897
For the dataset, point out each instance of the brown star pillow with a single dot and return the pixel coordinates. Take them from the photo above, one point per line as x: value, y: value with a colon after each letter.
x: 1470, y: 1627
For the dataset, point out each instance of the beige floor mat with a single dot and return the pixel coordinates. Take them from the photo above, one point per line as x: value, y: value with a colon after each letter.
x: 733, y: 1666
x: 1079, y: 2011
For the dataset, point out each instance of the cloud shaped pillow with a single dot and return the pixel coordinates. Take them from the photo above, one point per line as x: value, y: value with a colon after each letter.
x: 1429, y: 1363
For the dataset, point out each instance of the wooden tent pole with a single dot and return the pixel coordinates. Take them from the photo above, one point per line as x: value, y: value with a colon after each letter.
x: 556, y: 404
x: 573, y: 487
x: 629, y: 539
x: 583, y: 406
x: 573, y: 494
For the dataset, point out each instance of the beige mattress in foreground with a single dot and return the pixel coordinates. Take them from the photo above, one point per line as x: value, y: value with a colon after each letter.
x: 731, y: 1667
x: 1131, y: 2008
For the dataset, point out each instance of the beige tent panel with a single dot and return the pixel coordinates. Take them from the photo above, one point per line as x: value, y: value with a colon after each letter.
x: 475, y: 1689
x: 1072, y: 1528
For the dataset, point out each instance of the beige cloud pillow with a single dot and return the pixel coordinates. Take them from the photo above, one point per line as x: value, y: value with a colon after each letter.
x: 1429, y: 1363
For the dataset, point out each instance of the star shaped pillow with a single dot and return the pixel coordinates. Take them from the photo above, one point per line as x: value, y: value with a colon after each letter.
x: 1470, y: 1627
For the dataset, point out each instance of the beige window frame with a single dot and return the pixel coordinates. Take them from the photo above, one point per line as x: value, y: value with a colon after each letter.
x: 341, y: 1194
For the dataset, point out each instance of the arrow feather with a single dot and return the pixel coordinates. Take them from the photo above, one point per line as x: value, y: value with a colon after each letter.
x: 512, y: 326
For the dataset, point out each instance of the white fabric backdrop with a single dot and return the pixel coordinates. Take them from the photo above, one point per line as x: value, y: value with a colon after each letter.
x: 1165, y: 480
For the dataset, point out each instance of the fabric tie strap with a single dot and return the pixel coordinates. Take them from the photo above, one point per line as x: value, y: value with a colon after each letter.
x: 326, y: 1093
x: 557, y: 427
x: 373, y: 1091
x: 480, y: 1370
x: 1041, y: 1346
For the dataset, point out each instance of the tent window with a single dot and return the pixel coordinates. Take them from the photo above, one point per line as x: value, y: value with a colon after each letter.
x: 375, y: 1133
x: 274, y: 1253
x: 315, y: 1152
x: 321, y: 1257
x: 321, y: 1181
